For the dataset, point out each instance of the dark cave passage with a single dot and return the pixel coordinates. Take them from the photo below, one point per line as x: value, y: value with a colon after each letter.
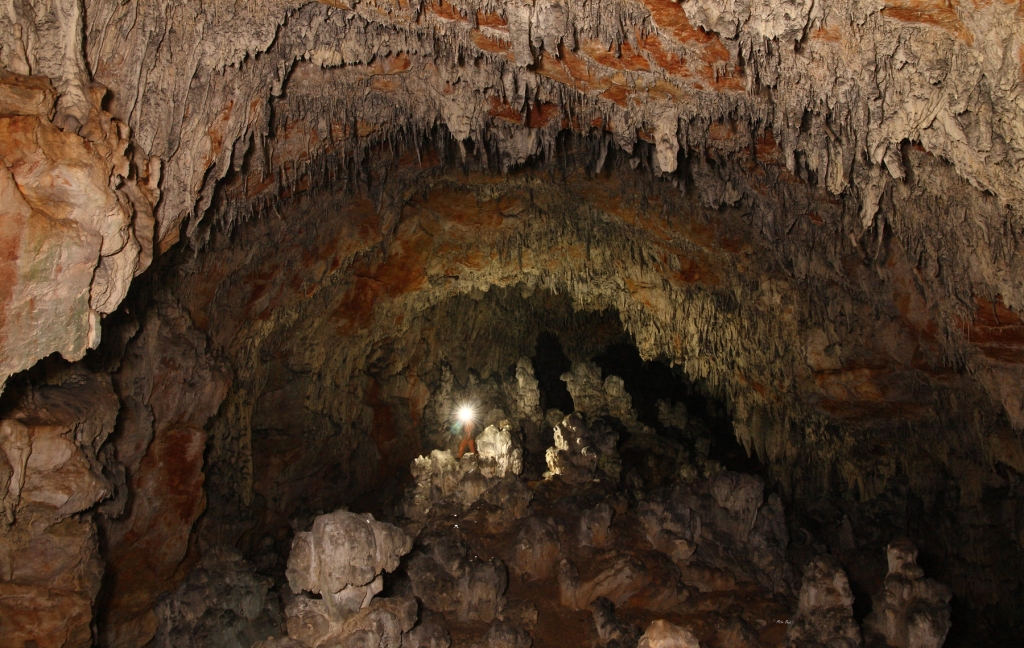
x: 550, y: 362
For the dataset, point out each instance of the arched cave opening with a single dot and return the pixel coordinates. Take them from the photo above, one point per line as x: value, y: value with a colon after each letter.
x: 733, y: 296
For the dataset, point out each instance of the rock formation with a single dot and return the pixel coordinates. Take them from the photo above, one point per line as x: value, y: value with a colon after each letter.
x: 253, y: 252
x: 911, y: 610
x: 824, y: 616
x: 342, y: 559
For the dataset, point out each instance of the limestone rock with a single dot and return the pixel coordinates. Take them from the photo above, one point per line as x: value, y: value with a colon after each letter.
x: 170, y: 387
x: 49, y: 545
x: 498, y: 445
x: 527, y: 391
x: 506, y: 635
x: 670, y: 528
x: 536, y: 550
x: 617, y: 582
x: 910, y: 611
x: 441, y: 481
x: 221, y: 603
x: 672, y: 414
x: 283, y: 642
x: 596, y: 397
x: 342, y: 559
x: 71, y: 241
x: 612, y: 632
x: 594, y: 526
x: 662, y: 634
x: 824, y: 615
x: 448, y: 580
x: 719, y: 531
x: 579, y: 451
x: 381, y: 623
x: 430, y: 632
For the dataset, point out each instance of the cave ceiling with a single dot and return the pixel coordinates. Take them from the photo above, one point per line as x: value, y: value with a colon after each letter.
x: 813, y: 206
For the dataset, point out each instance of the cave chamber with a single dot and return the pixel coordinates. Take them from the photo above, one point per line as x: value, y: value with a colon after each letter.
x: 732, y: 292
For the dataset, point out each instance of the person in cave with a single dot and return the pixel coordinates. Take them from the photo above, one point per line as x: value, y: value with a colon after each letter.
x: 468, y: 440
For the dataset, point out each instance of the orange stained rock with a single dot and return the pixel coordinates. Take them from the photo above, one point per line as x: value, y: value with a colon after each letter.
x: 568, y: 69
x: 674, y: 64
x: 626, y: 59
x: 504, y: 111
x: 721, y: 131
x: 669, y: 16
x: 217, y: 129
x: 492, y: 45
x: 462, y: 208
x: 491, y: 20
x: 445, y: 10
x: 938, y: 13
x: 617, y: 94
x: 829, y: 34
x: 766, y: 148
x: 538, y: 115
x: 996, y: 330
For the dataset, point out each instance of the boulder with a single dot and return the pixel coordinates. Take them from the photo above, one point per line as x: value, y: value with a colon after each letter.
x: 498, y: 445
x: 342, y: 559
x: 618, y: 582
x: 502, y: 634
x: 222, y: 603
x: 381, y: 624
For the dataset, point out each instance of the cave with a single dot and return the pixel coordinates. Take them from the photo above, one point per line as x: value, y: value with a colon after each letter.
x: 610, y: 323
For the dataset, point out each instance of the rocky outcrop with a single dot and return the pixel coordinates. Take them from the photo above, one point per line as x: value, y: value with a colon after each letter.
x: 53, y: 470
x: 580, y: 451
x: 910, y: 611
x: 612, y: 632
x: 536, y: 550
x: 169, y: 387
x: 222, y: 603
x: 824, y: 616
x: 662, y: 634
x: 599, y: 397
x: 724, y: 523
x: 449, y: 580
x: 342, y: 559
x: 444, y: 481
x: 77, y: 221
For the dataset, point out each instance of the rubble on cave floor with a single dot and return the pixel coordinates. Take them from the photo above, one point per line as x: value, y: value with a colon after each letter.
x: 501, y: 561
x: 628, y: 539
